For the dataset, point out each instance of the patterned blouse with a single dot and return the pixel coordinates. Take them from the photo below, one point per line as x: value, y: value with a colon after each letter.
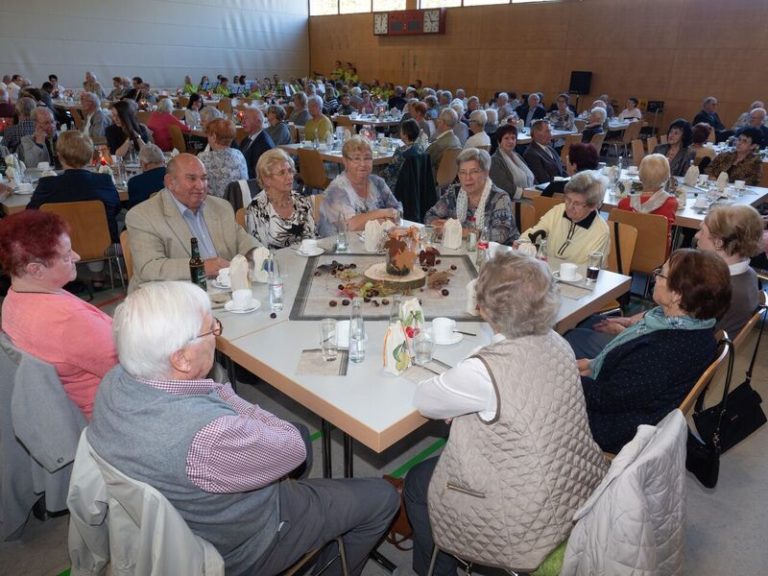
x: 341, y: 200
x: 499, y: 217
x: 748, y: 169
x: 392, y: 171
x: 223, y: 166
x: 274, y: 231
x: 562, y: 120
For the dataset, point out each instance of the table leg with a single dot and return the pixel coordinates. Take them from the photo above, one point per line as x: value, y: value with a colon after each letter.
x: 327, y: 464
x: 348, y: 453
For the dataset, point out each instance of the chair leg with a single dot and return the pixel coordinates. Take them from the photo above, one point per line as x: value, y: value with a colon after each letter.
x: 432, y: 561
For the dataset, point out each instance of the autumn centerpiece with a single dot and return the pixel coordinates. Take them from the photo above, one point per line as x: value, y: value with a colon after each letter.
x: 402, y: 246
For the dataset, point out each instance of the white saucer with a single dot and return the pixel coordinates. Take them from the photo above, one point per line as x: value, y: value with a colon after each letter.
x: 23, y: 192
x: 220, y: 286
x: 254, y: 306
x: 316, y: 252
x: 577, y: 277
x: 457, y: 337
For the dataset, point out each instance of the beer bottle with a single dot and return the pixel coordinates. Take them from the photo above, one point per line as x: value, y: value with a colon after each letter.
x: 197, y: 266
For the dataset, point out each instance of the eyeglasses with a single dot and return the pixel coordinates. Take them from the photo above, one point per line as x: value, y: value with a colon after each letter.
x: 473, y: 173
x: 217, y: 330
x: 574, y: 203
x: 658, y: 273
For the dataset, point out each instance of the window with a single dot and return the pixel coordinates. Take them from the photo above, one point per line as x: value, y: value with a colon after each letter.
x: 321, y: 7
x: 353, y: 6
x: 483, y: 2
x: 384, y: 5
x: 455, y: 3
x: 439, y: 3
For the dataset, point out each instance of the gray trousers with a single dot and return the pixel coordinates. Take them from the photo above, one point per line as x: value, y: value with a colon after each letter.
x: 316, y: 512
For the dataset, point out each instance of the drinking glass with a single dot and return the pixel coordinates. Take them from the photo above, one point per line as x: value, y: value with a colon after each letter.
x: 328, y: 343
x: 341, y: 235
x: 594, y: 263
x: 423, y: 347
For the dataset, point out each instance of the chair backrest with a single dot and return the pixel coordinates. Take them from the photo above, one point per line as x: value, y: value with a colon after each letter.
x: 177, y: 138
x: 632, y: 131
x: 317, y: 200
x: 597, y: 141
x: 240, y: 217
x: 725, y: 348
x: 543, y: 204
x: 127, y: 254
x: 651, y: 247
x: 182, y: 101
x: 87, y: 221
x: 311, y: 169
x: 240, y: 134
x: 143, y: 116
x: 570, y: 140
x: 225, y: 105
x: 623, y: 242
x: 525, y: 214
x: 447, y: 171
x: 345, y: 122
x: 638, y: 153
x: 580, y: 125
x: 179, y: 113
x: 77, y: 117
x: 651, y: 144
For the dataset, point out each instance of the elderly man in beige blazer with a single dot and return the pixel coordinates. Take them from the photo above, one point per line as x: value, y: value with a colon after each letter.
x: 160, y: 229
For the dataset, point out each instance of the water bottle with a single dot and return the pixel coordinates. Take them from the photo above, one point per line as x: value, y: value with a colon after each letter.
x: 482, y: 249
x: 471, y: 234
x: 356, y: 332
x: 275, y: 285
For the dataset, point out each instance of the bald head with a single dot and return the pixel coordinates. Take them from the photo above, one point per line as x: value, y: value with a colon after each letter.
x: 187, y: 180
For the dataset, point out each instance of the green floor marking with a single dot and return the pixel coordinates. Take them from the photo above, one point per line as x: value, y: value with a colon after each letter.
x: 400, y: 472
x: 315, y: 436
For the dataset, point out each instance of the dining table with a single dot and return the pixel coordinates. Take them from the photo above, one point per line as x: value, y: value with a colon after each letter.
x: 369, y: 405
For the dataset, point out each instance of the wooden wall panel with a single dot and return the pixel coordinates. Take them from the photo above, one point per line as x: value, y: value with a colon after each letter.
x: 678, y: 51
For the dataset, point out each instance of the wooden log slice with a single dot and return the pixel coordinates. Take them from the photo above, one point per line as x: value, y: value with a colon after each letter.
x: 378, y: 273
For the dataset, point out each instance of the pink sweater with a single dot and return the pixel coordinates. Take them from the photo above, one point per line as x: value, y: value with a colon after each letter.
x: 67, y: 332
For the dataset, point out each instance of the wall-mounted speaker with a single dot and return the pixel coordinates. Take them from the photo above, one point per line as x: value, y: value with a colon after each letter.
x: 580, y: 82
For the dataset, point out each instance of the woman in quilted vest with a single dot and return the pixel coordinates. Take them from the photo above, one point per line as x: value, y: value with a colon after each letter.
x: 650, y: 366
x: 520, y: 459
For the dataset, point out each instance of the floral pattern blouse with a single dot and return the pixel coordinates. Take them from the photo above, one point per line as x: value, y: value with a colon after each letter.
x: 274, y: 231
x: 223, y: 166
x: 392, y: 171
x: 748, y: 169
x: 341, y: 201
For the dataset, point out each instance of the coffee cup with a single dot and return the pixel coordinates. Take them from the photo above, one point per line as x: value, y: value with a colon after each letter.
x: 442, y: 329
x: 25, y: 187
x: 568, y: 271
x: 309, y: 246
x: 740, y: 184
x: 241, y: 299
x: 43, y: 165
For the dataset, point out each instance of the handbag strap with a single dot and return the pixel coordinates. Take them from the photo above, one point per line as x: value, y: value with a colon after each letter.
x: 617, y: 247
x: 764, y: 309
x: 723, y: 403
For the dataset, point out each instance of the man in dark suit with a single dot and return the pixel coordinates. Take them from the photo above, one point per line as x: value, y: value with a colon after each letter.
x: 397, y: 100
x: 77, y: 184
x: 257, y: 141
x: 532, y: 110
x: 540, y: 156
x: 708, y: 115
x: 143, y: 185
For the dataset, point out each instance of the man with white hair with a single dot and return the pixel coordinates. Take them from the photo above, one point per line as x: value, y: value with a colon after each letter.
x: 460, y: 129
x: 40, y: 146
x: 96, y: 121
x: 446, y: 138
x: 318, y: 126
x: 257, y: 140
x: 503, y: 108
x: 757, y: 118
x: 24, y: 126
x: 479, y: 138
x: 743, y: 120
x: 532, y: 110
x: 151, y: 179
x: 597, y: 117
x: 221, y: 461
x: 708, y: 115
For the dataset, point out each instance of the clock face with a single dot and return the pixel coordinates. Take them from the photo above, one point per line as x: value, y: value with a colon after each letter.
x: 431, y: 21
x: 380, y: 23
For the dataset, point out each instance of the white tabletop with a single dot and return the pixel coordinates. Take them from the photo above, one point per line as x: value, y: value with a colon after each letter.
x: 373, y: 407
x: 370, y: 120
x: 380, y: 155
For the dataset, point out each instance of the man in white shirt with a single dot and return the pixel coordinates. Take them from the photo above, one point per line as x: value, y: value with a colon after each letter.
x: 96, y: 121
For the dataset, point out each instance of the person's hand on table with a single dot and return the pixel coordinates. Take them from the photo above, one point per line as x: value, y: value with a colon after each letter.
x: 584, y: 368
x: 213, y: 265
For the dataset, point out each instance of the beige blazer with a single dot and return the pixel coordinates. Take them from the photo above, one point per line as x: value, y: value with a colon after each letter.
x: 160, y: 237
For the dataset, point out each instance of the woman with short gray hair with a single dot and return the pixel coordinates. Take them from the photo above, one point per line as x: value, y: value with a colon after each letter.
x: 574, y: 229
x: 476, y: 199
x: 492, y: 396
x: 478, y: 138
x: 278, y: 129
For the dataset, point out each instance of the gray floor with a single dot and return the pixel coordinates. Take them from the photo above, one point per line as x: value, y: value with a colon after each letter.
x: 727, y: 528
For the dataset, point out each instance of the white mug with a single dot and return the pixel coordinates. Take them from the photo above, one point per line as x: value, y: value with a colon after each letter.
x: 568, y: 271
x: 43, y: 165
x: 442, y: 329
x: 740, y: 184
x: 241, y: 299
x: 308, y: 245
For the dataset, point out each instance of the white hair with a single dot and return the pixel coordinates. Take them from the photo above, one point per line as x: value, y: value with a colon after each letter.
x: 154, y: 322
x: 457, y: 106
x: 165, y: 105
x: 479, y: 116
x: 599, y: 112
x: 317, y: 100
x: 492, y: 116
x: 151, y: 154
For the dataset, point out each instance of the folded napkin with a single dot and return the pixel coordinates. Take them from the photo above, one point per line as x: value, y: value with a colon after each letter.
x: 259, y: 274
x: 397, y: 359
x: 373, y: 232
x: 691, y: 175
x: 238, y: 273
x: 452, y: 234
x: 722, y: 181
x: 472, y: 298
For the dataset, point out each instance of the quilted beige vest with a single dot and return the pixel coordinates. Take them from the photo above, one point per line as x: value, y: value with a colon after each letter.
x: 504, y: 492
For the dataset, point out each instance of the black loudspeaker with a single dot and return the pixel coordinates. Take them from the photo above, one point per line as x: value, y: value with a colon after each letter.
x: 580, y: 82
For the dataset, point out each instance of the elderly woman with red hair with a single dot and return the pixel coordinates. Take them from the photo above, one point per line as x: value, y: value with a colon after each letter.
x: 43, y: 319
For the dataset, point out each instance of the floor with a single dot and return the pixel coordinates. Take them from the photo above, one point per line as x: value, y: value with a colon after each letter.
x: 726, y: 527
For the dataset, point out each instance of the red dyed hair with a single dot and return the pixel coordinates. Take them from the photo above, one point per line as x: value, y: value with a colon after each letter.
x: 29, y: 236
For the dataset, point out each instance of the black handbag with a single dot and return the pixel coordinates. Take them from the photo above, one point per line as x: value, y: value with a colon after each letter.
x: 703, y: 456
x: 741, y: 415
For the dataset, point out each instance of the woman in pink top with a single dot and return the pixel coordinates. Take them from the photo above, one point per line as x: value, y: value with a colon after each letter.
x: 43, y: 319
x: 160, y: 120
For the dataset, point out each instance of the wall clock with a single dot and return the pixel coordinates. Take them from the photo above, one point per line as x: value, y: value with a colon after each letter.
x: 406, y: 22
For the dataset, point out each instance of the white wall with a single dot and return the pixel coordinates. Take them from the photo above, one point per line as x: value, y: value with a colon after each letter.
x: 159, y: 40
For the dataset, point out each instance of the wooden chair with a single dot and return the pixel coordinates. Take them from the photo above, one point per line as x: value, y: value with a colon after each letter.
x: 77, y: 118
x: 447, y: 171
x: 543, y: 204
x: 726, y: 350
x: 570, y: 140
x: 182, y: 101
x: 525, y: 214
x: 177, y: 138
x: 638, y: 152
x: 240, y: 134
x: 746, y: 330
x: 597, y: 141
x: 225, y: 106
x: 651, y: 144
x: 631, y: 132
x: 240, y: 218
x: 580, y: 125
x: 345, y: 122
x: 288, y: 110
x: 623, y: 243
x: 294, y: 133
x: 143, y: 116
x: 89, y: 232
x: 651, y: 248
x: 317, y: 200
x: 311, y: 169
x: 127, y: 255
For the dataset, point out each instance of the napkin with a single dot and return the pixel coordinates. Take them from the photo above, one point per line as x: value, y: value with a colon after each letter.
x: 238, y: 273
x: 691, y: 175
x: 386, y: 225
x: 372, y: 235
x: 411, y: 316
x: 452, y: 234
x: 472, y: 297
x: 528, y: 248
x: 396, y: 356
x: 722, y: 181
x: 258, y: 274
